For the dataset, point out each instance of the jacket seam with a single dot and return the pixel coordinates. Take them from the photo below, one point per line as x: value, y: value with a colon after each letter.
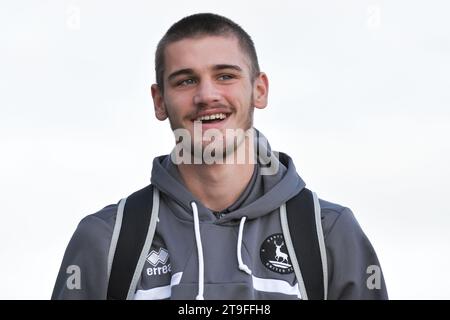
x: 340, y: 214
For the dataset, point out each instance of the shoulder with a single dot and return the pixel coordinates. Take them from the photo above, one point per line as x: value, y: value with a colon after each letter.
x: 335, y: 216
x: 87, y: 251
x: 341, y: 230
x: 103, y: 218
x: 96, y: 227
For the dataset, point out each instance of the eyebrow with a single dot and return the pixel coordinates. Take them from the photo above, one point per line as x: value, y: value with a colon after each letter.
x: 227, y: 66
x: 217, y: 67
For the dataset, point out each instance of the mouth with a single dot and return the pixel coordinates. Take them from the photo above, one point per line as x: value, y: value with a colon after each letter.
x: 213, y: 118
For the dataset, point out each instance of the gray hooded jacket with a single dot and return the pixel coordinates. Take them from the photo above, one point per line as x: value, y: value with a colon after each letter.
x: 242, y: 249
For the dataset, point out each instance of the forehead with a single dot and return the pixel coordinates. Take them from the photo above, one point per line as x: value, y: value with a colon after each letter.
x: 204, y: 52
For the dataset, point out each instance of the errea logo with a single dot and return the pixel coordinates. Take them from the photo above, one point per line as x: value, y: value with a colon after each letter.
x: 158, y: 258
x: 154, y: 258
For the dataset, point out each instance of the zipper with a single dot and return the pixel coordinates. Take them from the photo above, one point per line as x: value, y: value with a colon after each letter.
x: 219, y: 214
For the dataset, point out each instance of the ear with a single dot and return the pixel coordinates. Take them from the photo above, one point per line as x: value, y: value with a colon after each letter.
x: 261, y: 90
x: 158, y: 103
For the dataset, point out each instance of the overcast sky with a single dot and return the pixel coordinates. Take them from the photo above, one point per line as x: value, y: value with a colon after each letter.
x: 359, y: 97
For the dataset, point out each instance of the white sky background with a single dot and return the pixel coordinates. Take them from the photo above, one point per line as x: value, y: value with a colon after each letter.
x: 359, y: 97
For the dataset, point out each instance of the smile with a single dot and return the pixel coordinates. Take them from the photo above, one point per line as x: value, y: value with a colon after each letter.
x: 216, y: 117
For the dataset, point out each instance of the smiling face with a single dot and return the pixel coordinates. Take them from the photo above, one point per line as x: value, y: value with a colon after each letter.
x: 208, y: 79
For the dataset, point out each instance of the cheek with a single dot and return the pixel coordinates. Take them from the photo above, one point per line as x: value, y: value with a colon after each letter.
x: 177, y: 105
x: 239, y: 98
x: 178, y: 99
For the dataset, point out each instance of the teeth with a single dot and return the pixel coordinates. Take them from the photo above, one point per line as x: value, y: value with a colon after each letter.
x: 212, y: 117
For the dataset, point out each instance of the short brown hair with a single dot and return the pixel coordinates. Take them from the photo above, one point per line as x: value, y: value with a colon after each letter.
x: 202, y: 24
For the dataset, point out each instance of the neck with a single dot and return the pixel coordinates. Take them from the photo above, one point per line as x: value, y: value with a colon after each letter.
x: 217, y: 186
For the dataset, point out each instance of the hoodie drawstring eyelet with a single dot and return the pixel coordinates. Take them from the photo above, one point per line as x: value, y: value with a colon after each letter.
x: 198, y: 241
x: 242, y: 265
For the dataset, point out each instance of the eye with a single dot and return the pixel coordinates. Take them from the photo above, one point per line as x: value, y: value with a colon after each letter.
x: 185, y: 82
x: 226, y: 77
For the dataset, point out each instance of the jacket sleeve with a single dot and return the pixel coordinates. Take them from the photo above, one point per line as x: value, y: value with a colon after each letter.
x: 354, y: 271
x: 83, y: 272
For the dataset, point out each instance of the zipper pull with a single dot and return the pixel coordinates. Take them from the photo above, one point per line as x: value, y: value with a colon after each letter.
x: 219, y: 214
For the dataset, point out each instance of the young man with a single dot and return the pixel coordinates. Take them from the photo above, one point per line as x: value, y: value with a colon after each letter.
x: 216, y: 223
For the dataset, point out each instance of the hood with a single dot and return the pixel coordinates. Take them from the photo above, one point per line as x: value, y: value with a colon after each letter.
x: 265, y: 192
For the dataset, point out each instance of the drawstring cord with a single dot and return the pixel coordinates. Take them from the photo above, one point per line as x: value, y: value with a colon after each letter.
x: 242, y: 265
x: 198, y: 240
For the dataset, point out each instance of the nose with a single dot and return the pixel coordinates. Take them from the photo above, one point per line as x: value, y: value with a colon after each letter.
x: 206, y: 93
